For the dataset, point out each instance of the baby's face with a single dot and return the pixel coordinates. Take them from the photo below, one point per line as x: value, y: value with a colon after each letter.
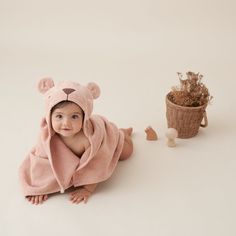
x: 67, y: 121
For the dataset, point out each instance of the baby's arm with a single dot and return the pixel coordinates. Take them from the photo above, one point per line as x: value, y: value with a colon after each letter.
x: 82, y: 193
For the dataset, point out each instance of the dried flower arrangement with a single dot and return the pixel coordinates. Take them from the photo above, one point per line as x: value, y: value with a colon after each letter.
x: 191, y: 92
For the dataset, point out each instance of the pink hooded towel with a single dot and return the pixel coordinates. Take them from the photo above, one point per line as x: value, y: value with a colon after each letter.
x: 51, y: 166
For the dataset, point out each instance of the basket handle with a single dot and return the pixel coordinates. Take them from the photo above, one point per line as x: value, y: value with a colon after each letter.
x: 205, y: 120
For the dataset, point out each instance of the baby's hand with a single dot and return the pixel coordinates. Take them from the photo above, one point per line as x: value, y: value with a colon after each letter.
x: 79, y: 195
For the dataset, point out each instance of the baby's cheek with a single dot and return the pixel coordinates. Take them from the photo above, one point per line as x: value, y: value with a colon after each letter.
x: 54, y: 125
x: 78, y: 126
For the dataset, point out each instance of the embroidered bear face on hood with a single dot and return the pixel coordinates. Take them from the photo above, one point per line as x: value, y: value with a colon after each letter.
x: 81, y: 95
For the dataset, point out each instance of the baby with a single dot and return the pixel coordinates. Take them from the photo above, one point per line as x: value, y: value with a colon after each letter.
x: 74, y: 148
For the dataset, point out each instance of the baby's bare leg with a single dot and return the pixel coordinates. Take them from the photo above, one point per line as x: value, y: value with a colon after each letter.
x: 128, y: 144
x: 39, y: 199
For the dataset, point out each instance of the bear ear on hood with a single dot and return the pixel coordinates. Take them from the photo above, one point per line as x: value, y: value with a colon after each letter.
x: 45, y: 84
x: 94, y: 89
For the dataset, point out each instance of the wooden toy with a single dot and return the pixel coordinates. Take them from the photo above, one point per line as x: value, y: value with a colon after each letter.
x: 150, y: 133
x: 171, y: 135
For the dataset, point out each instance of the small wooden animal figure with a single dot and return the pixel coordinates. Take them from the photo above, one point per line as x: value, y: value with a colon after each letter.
x: 171, y: 135
x: 151, y: 134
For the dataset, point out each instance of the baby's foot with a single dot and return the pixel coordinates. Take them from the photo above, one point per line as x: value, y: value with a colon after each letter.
x: 128, y: 131
x: 79, y: 195
x: 39, y: 199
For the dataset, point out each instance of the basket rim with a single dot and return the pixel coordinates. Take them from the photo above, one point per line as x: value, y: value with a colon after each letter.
x: 190, y: 108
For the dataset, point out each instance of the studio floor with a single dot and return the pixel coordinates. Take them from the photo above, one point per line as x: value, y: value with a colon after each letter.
x: 133, y: 51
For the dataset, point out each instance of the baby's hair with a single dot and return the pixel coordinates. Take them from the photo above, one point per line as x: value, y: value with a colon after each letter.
x: 63, y: 104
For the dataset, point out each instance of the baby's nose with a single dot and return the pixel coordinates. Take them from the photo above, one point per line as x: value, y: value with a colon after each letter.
x: 66, y: 121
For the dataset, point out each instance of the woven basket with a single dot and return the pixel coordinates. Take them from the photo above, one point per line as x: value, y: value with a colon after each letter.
x: 186, y: 120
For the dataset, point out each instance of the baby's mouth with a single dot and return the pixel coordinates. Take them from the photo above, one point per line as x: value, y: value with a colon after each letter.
x: 66, y: 129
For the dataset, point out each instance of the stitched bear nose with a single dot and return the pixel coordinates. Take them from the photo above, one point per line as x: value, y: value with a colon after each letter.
x: 68, y: 90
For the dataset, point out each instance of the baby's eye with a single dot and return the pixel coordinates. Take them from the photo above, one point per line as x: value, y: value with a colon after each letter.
x: 59, y: 116
x: 75, y: 117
